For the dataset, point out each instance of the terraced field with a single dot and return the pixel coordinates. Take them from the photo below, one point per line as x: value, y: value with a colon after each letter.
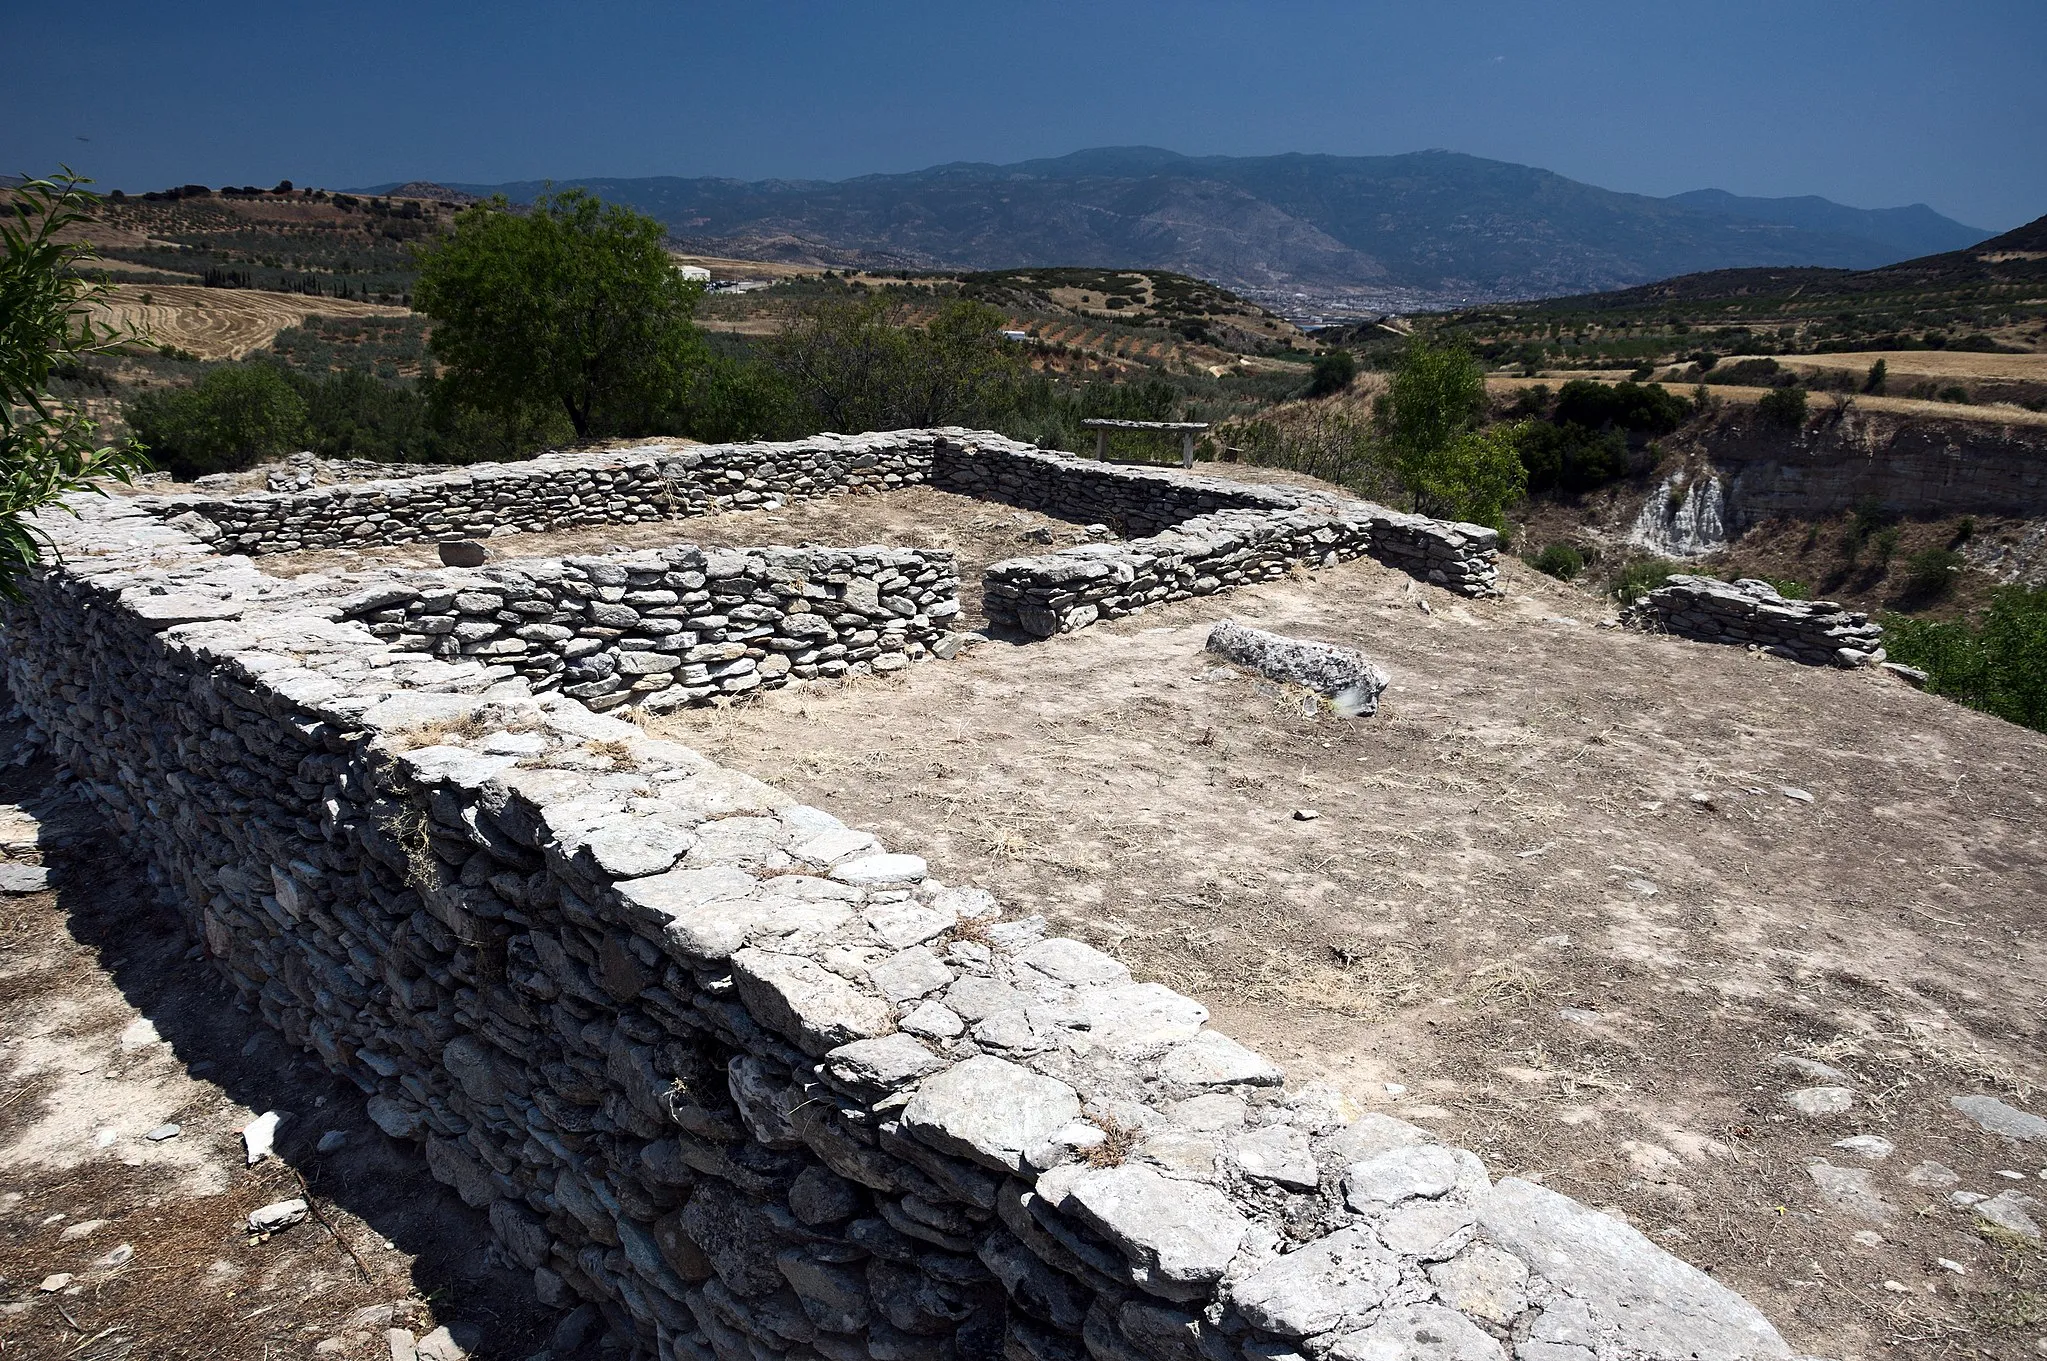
x: 225, y: 323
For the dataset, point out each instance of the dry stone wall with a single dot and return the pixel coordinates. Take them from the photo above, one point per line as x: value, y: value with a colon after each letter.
x: 1198, y: 534
x: 676, y: 626
x: 563, y: 490
x: 1752, y: 613
x: 756, y: 1085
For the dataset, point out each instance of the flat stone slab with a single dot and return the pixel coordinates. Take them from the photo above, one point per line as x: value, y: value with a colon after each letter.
x: 16, y: 878
x: 1350, y: 681
x: 1995, y: 1117
x: 990, y: 1110
x: 1667, y: 1310
x: 1181, y: 1235
x: 1332, y: 1283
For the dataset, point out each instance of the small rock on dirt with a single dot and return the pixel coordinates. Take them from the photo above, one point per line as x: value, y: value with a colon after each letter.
x: 2012, y: 1211
x: 1932, y: 1176
x: 165, y: 1131
x: 52, y: 1284
x: 463, y: 553
x: 449, y: 1342
x: 1815, y: 1102
x: 331, y: 1140
x: 1871, y: 1146
x: 277, y: 1215
x: 259, y: 1136
x: 1848, y: 1189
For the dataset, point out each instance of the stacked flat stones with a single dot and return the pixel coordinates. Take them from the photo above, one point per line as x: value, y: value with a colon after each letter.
x: 670, y: 627
x: 754, y: 1085
x: 555, y: 491
x: 1753, y: 613
x: 1204, y: 534
x: 1060, y: 592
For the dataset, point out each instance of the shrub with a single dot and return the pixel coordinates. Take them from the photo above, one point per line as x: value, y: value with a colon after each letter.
x: 236, y: 416
x: 1530, y: 401
x: 1332, y: 373
x: 1642, y: 576
x: 1791, y: 588
x: 1643, y: 409
x: 1931, y: 571
x: 1953, y: 392
x: 1560, y: 560
x: 1874, y: 383
x: 1999, y: 665
x: 1571, y: 457
x: 1783, y: 407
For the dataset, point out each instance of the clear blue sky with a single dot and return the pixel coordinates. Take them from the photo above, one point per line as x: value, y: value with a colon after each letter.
x: 1870, y: 103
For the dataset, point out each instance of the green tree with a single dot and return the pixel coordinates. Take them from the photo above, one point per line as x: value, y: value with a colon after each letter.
x: 1475, y: 477
x: 1998, y: 665
x: 1783, y: 407
x: 47, y: 323
x: 236, y: 416
x: 1437, y: 398
x: 857, y: 366
x: 573, y: 304
x: 840, y: 355
x: 960, y: 369
x: 1332, y: 373
x: 1878, y: 377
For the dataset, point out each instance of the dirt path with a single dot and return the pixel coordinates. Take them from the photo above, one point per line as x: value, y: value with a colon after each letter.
x: 109, y: 1030
x: 1513, y: 917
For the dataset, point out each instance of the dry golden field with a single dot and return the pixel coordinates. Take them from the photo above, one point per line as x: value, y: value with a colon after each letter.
x: 225, y: 323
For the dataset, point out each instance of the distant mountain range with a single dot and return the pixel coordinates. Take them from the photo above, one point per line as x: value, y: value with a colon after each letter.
x: 1431, y: 228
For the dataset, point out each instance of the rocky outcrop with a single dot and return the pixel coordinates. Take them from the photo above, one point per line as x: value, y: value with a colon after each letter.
x: 1752, y: 613
x: 1910, y: 465
x: 755, y: 1085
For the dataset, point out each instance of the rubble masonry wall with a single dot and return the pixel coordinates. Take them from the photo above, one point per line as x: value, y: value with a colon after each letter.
x: 676, y: 626
x: 757, y: 1086
x: 1752, y: 613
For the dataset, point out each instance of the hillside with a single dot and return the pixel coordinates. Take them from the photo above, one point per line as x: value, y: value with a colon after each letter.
x: 1988, y: 298
x: 1419, y: 230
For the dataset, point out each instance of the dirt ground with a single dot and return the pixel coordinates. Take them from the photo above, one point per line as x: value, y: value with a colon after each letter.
x: 110, y: 1030
x: 1576, y: 898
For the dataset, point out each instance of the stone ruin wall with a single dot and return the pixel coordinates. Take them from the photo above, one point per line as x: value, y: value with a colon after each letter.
x: 1751, y: 613
x: 677, y: 626
x: 1196, y: 534
x: 756, y: 1086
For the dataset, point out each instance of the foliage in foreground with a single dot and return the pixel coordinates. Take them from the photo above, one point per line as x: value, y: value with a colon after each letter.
x: 47, y: 450
x: 1998, y: 665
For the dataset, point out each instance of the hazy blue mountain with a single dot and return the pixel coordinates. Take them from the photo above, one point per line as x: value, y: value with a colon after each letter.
x: 1910, y: 231
x: 1426, y: 227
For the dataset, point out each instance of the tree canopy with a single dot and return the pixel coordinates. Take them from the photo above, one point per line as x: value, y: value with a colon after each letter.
x: 48, y: 323
x: 1436, y: 397
x: 1429, y: 420
x: 857, y: 366
x: 573, y: 304
x: 235, y: 416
